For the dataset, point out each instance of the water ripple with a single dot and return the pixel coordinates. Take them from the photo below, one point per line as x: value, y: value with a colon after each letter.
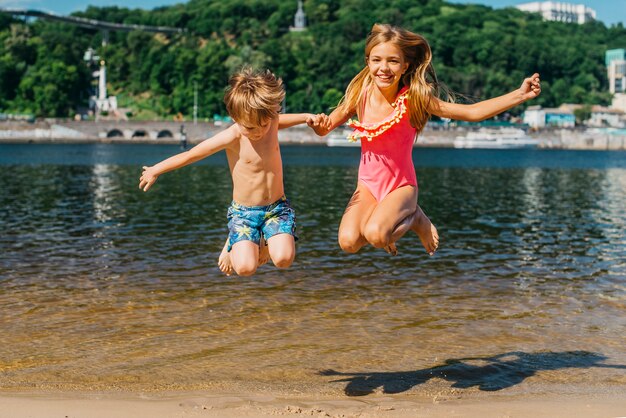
x: 105, y: 286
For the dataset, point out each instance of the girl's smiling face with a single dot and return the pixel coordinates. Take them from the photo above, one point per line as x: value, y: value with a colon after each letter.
x: 386, y: 64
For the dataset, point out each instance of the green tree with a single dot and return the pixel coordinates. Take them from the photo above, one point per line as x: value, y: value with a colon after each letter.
x: 582, y: 114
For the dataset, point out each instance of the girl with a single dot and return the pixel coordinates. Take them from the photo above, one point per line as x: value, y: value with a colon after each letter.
x: 393, y: 97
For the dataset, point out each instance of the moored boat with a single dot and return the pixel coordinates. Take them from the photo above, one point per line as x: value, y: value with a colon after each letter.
x: 496, y: 138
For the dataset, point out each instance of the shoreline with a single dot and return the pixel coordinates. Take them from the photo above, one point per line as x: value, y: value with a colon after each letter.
x: 163, y: 132
x: 269, y: 404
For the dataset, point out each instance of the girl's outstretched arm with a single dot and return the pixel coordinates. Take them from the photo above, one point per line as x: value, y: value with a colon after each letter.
x: 207, y: 147
x: 328, y: 123
x: 530, y: 88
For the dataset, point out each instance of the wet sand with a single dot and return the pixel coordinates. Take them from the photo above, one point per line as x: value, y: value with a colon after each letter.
x: 229, y: 405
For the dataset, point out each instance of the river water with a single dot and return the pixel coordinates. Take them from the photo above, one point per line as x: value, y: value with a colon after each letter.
x: 106, y: 287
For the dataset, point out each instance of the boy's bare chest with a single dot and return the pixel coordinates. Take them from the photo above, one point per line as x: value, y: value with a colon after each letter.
x: 259, y: 157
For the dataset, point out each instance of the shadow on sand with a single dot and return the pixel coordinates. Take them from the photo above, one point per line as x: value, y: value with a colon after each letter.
x: 487, y: 373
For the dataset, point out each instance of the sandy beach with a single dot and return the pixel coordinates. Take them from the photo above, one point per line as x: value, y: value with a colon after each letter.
x: 100, y: 405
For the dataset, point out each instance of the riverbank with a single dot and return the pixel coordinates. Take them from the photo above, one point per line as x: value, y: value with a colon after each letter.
x: 163, y: 132
x: 229, y: 405
x: 268, y: 405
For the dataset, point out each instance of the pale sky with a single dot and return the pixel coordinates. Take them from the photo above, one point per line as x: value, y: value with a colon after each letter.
x: 608, y: 11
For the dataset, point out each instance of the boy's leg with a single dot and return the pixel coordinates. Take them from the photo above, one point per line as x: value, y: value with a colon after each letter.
x: 244, y: 257
x: 226, y: 266
x: 264, y: 253
x: 359, y: 209
x: 282, y: 250
x: 223, y: 262
x: 244, y: 238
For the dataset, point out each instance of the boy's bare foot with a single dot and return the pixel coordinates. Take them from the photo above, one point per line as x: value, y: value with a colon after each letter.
x: 264, y: 252
x: 392, y: 249
x: 224, y: 261
x: 426, y: 231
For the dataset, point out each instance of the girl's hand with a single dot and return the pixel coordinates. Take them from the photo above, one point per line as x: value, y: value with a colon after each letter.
x: 148, y: 178
x: 531, y: 87
x: 320, y: 123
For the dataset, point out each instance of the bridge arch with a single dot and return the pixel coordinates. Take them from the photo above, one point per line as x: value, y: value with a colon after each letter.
x: 115, y: 133
x: 165, y: 133
x: 139, y: 133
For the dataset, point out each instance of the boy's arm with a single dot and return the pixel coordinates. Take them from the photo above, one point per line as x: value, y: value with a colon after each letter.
x: 317, y: 122
x: 207, y: 147
x: 486, y: 109
x: 287, y: 120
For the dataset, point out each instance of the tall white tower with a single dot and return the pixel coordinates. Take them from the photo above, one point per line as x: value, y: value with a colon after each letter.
x: 299, y: 20
x: 103, y: 102
x: 102, y: 81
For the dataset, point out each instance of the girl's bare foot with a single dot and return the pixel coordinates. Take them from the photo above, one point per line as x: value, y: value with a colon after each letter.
x: 392, y: 249
x: 426, y: 231
x: 224, y: 261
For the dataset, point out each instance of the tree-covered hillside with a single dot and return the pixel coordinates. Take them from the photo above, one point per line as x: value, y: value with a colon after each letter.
x: 479, y: 52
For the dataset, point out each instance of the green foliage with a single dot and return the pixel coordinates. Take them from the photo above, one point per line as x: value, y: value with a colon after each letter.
x: 478, y: 51
x: 582, y: 114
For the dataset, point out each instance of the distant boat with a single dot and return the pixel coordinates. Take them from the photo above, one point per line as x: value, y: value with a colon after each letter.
x: 496, y: 138
x: 340, y: 139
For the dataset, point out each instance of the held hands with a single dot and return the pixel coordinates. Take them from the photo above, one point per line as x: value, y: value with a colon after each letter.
x: 320, y: 123
x: 148, y: 178
x: 531, y: 87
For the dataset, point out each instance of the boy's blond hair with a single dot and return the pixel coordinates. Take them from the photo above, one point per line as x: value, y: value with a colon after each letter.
x: 254, y: 97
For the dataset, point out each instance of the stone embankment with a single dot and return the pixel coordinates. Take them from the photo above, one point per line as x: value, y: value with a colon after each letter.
x: 162, y: 132
x: 590, y: 139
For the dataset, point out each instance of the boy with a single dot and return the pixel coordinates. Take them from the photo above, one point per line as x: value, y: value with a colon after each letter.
x: 260, y: 209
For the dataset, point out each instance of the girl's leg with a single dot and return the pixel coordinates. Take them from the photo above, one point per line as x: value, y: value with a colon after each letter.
x: 396, y: 214
x: 419, y: 223
x: 354, y: 219
x: 282, y: 248
x: 244, y: 257
x: 389, y: 214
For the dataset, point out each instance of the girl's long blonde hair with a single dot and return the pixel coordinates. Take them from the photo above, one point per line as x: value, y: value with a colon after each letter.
x: 420, y: 75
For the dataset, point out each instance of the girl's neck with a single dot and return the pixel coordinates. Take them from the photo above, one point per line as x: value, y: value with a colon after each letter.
x: 388, y: 94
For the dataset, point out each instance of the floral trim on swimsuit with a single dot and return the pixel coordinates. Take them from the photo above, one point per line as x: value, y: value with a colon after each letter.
x: 373, y: 130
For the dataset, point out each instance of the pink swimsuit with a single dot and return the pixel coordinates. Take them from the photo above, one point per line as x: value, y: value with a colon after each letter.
x: 386, y: 150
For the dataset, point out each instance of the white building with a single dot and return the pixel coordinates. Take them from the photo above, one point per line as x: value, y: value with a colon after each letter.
x: 535, y: 117
x: 617, y: 76
x: 561, y: 12
x: 615, y: 60
x: 619, y: 101
x: 538, y: 117
x: 605, y: 116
